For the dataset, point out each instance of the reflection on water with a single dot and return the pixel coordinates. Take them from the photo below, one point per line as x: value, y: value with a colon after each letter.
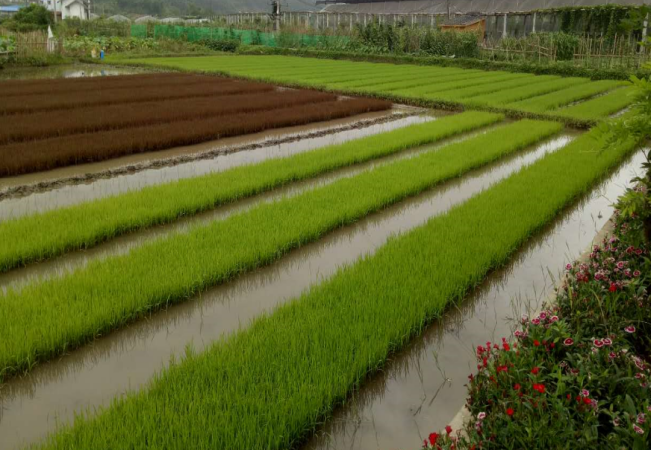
x: 127, y: 358
x: 65, y: 71
x: 423, y: 387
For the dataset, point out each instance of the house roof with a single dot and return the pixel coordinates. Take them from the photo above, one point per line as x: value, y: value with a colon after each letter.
x: 462, y: 20
x: 11, y: 8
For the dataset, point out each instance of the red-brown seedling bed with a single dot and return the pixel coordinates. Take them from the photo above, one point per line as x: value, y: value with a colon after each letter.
x: 51, y: 153
x: 26, y: 127
x: 102, y: 85
x: 69, y: 100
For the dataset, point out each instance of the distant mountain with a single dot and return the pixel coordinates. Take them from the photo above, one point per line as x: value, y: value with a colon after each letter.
x: 167, y: 8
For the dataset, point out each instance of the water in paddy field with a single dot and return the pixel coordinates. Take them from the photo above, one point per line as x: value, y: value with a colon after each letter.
x: 423, y: 387
x: 66, y: 71
x: 30, y: 407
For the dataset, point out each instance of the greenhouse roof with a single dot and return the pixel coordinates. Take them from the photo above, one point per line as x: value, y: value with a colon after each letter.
x: 466, y: 6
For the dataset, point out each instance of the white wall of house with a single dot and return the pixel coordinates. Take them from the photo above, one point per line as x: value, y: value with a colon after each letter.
x: 69, y: 8
x: 74, y: 9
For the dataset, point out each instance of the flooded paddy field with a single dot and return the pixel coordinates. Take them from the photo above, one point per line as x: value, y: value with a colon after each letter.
x: 125, y: 360
x: 176, y: 234
x: 66, y: 71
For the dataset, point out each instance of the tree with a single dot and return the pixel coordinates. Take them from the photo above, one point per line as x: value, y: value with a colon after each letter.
x: 30, y: 18
x: 637, y: 201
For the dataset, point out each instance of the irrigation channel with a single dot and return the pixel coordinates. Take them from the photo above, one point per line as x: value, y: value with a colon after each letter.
x: 50, y: 190
x: 422, y: 387
x: 31, y: 406
x: 66, y: 71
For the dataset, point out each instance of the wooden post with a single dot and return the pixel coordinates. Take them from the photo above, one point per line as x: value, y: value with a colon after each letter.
x: 645, y: 28
x: 504, y: 28
x: 534, y: 23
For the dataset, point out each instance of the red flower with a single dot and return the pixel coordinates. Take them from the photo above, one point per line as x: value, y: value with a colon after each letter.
x: 569, y: 341
x: 509, y: 412
x: 539, y: 387
x: 517, y: 386
x: 536, y: 343
x: 586, y: 400
x: 506, y: 346
x: 613, y: 287
x: 448, y: 429
x: 502, y: 369
x: 433, y: 438
x: 535, y: 371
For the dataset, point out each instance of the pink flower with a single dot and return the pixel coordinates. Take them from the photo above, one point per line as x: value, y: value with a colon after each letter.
x: 481, y: 415
x: 607, y: 342
x: 636, y: 273
x: 620, y: 265
x: 617, y: 422
x: 585, y: 393
x: 612, y: 355
x: 519, y: 334
x: 638, y: 430
x: 630, y: 329
x: 641, y: 418
x: 536, y: 321
x: 554, y: 319
x: 568, y: 342
x: 598, y: 343
x: 568, y: 267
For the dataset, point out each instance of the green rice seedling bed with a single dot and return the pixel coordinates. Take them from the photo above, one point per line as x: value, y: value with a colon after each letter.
x: 270, y: 385
x: 37, y: 237
x: 538, y: 99
x: 602, y: 106
x: 432, y: 80
x: 44, y: 319
x: 522, y: 93
x: 565, y: 96
x: 498, y: 86
x: 413, y: 80
x: 432, y: 91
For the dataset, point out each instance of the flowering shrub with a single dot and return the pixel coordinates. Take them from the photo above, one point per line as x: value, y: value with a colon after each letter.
x: 577, y: 374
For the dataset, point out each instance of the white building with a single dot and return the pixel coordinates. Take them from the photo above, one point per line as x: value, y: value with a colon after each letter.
x: 69, y: 8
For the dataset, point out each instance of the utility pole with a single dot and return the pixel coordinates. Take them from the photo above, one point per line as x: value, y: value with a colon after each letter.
x: 275, y: 5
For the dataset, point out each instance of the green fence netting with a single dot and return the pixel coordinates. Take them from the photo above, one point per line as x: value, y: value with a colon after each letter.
x: 250, y: 37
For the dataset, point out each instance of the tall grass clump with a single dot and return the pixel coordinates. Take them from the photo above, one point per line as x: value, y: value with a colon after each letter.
x: 270, y: 385
x: 37, y: 237
x: 46, y: 318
